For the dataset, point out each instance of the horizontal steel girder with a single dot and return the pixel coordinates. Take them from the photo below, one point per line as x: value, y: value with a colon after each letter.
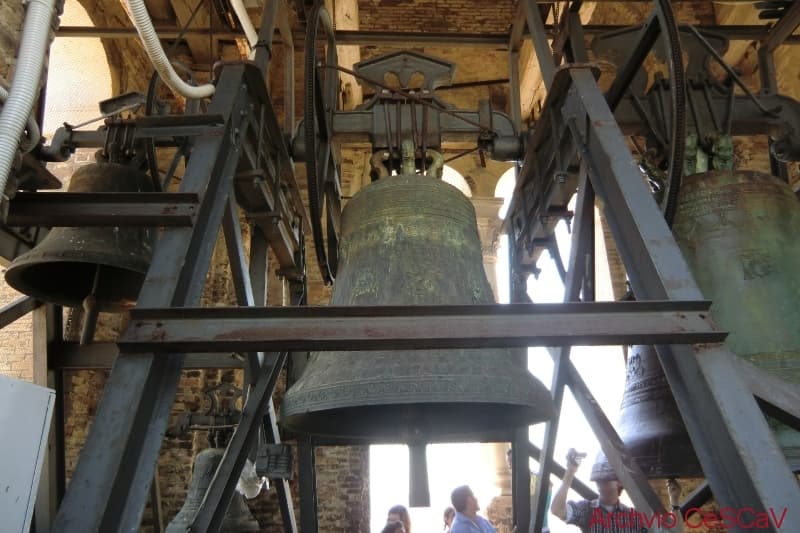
x: 102, y: 209
x: 418, y: 327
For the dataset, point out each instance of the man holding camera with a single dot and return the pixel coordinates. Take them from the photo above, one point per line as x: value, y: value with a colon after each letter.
x: 606, y: 514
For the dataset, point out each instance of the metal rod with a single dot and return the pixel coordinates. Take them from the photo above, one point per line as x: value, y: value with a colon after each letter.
x: 629, y: 473
x: 782, y: 29
x: 544, y: 54
x: 17, y: 309
x: 241, y: 279
x: 101, y: 355
x: 732, y: 73
x: 495, y: 41
x: 647, y: 37
x: 559, y: 471
x: 308, y: 485
x: 272, y: 436
x: 576, y: 270
x: 102, y: 209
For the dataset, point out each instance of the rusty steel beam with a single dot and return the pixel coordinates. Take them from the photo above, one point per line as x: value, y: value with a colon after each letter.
x: 417, y: 327
x: 498, y: 41
x: 75, y: 209
x: 782, y: 29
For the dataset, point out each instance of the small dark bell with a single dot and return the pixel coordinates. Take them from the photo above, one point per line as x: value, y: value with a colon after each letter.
x: 650, y: 424
x: 238, y: 517
x: 72, y: 263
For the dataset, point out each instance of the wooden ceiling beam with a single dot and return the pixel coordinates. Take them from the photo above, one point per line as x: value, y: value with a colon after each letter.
x: 202, y: 47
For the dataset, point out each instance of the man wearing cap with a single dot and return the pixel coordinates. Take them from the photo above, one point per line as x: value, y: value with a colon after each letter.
x: 606, y: 514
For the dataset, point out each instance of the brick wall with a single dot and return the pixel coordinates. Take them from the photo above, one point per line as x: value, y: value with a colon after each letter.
x: 15, y: 339
x: 467, y: 16
x: 11, y: 14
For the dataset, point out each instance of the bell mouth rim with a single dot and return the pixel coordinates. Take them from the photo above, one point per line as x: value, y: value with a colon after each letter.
x: 404, y: 423
x: 16, y: 275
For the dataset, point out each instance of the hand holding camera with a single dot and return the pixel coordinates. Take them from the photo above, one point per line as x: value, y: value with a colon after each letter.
x: 574, y: 459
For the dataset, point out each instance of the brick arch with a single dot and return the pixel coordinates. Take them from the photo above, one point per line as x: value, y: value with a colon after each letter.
x: 78, y: 74
x: 96, y: 9
x: 130, y: 68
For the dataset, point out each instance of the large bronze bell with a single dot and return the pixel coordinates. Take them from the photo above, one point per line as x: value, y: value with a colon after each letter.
x: 738, y: 232
x: 412, y: 240
x: 237, y: 518
x: 75, y: 262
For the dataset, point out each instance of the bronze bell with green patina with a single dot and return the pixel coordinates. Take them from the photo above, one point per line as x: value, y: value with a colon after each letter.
x: 412, y: 240
x: 738, y: 231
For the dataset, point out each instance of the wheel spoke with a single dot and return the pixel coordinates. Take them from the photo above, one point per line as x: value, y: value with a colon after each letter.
x: 321, y: 94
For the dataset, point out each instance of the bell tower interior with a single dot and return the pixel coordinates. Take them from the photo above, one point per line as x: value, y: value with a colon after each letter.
x: 245, y: 240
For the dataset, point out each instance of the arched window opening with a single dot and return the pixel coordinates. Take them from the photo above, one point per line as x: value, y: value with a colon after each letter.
x: 78, y: 75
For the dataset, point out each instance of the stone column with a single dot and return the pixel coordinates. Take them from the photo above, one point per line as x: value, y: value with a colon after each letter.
x: 489, y: 224
x: 499, y: 509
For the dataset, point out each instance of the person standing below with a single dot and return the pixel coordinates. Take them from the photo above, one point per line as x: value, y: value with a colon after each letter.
x: 467, y: 519
x: 449, y: 516
x: 399, y: 513
x: 605, y: 514
x: 545, y: 528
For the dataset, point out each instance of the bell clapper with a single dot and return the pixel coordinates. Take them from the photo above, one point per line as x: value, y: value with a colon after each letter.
x: 90, y: 311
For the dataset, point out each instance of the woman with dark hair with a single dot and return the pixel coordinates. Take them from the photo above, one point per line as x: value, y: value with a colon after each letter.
x: 449, y: 516
x: 399, y: 513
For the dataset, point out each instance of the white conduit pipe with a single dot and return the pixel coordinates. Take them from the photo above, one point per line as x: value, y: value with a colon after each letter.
x: 247, y: 24
x: 34, y: 134
x: 141, y: 20
x: 25, y: 85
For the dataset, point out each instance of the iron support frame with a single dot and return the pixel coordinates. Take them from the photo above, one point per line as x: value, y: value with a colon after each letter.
x: 492, y: 41
x: 215, y: 503
x: 417, y: 327
x: 111, y: 482
x: 17, y: 309
x: 77, y: 209
x: 556, y: 469
x: 721, y: 415
x: 308, y: 485
x: 782, y: 29
x: 47, y: 327
x: 577, y: 266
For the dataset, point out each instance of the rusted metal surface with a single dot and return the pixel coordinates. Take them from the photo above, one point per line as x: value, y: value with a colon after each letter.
x: 339, y: 328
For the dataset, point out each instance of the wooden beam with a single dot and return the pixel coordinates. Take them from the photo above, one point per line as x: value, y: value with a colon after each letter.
x: 199, y: 45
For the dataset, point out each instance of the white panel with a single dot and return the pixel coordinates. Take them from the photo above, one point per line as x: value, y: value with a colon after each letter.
x: 25, y: 413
